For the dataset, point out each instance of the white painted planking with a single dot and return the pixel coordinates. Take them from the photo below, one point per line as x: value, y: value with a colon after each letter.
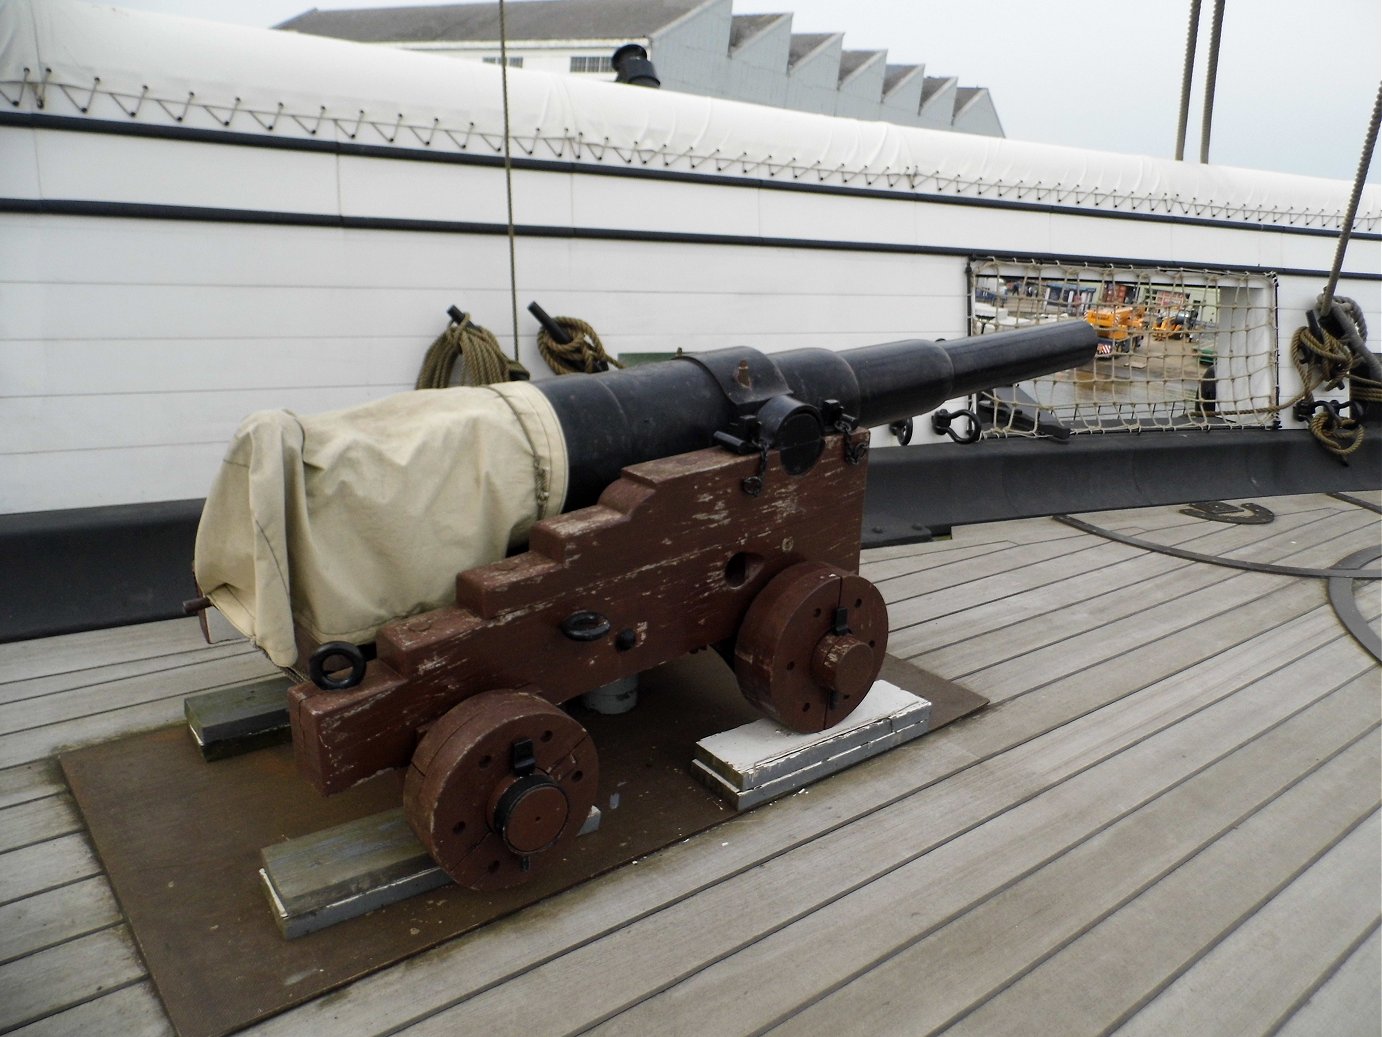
x: 800, y: 215
x: 106, y: 167
x: 632, y: 204
x: 18, y: 173
x: 65, y: 423
x: 118, y: 367
x: 41, y: 482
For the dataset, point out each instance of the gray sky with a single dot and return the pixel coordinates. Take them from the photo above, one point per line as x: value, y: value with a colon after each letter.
x: 1296, y: 79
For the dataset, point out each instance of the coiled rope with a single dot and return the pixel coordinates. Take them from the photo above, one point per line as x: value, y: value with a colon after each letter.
x: 584, y: 354
x: 485, y: 362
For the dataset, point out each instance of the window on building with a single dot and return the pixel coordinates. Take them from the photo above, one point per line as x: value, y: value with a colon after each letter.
x: 513, y: 62
x: 582, y: 63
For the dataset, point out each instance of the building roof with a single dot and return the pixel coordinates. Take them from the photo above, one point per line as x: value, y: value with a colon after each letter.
x: 532, y: 20
x: 745, y: 27
x: 895, y: 75
x: 804, y: 43
x: 851, y: 61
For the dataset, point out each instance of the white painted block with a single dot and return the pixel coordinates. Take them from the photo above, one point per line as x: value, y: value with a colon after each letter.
x: 759, y: 761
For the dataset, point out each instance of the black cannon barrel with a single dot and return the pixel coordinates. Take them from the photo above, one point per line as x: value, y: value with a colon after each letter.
x: 656, y: 410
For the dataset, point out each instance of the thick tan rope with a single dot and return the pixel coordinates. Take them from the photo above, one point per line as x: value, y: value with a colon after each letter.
x: 485, y: 362
x: 584, y: 354
x: 1326, y: 360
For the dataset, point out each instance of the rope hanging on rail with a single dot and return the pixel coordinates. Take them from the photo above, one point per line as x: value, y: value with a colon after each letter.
x: 584, y: 353
x: 484, y: 360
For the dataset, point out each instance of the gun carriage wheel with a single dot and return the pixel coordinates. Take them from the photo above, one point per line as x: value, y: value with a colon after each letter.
x: 811, y: 645
x: 500, y: 782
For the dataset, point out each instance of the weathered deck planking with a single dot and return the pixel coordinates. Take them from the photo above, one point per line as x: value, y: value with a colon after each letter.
x: 1167, y: 821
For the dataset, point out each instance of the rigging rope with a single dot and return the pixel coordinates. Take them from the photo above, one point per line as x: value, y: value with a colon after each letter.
x: 1211, y: 79
x: 585, y: 353
x: 1359, y: 179
x: 1191, y: 38
x: 508, y: 173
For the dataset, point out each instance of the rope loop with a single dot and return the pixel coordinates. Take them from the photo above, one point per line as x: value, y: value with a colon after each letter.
x: 484, y: 360
x: 584, y: 354
x: 1339, y: 435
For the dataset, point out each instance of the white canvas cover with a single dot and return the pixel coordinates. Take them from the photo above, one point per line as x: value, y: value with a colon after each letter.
x: 125, y: 65
x: 343, y: 521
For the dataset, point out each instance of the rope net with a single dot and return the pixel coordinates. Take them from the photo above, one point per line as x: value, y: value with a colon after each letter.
x: 1178, y: 349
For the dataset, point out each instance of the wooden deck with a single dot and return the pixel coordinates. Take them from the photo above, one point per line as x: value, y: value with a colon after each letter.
x: 1166, y: 823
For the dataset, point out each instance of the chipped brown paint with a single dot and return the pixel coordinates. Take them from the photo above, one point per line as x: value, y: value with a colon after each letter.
x: 674, y: 552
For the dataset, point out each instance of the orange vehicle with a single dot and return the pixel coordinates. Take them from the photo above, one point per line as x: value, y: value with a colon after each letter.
x: 1116, y: 326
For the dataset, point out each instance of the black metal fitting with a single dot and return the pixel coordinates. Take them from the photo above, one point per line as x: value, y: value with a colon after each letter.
x: 344, y: 651
x: 631, y: 65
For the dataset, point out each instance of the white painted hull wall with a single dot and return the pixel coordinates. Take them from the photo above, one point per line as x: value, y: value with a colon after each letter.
x: 149, y: 299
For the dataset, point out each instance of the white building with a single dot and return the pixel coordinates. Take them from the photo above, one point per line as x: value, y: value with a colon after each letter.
x: 699, y: 47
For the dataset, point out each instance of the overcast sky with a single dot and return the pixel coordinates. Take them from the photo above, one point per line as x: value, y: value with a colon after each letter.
x: 1296, y: 82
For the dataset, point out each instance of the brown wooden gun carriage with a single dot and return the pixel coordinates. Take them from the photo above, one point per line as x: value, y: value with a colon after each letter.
x: 669, y: 545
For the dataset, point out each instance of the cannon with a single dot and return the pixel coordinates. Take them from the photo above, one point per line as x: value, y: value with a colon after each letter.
x: 713, y: 501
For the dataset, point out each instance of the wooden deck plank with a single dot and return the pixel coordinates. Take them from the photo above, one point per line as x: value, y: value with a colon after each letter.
x: 1081, y: 723
x: 1041, y: 623
x: 56, y: 916
x: 1247, y: 982
x: 1347, y: 1004
x: 948, y: 878
x: 44, y: 866
x: 433, y: 981
x: 956, y: 574
x: 1244, y: 856
x: 68, y: 652
x: 30, y: 781
x: 806, y: 881
x: 52, y: 980
x: 146, y: 704
x: 93, y: 676
x: 132, y: 1011
x: 37, y: 820
x: 1035, y: 591
x: 1159, y: 640
x: 106, y: 696
x: 1102, y: 979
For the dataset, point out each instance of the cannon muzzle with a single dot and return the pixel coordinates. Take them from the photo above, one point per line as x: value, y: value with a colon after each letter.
x: 657, y: 410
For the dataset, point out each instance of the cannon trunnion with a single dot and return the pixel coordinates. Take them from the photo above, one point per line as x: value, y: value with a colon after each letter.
x: 675, y: 557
